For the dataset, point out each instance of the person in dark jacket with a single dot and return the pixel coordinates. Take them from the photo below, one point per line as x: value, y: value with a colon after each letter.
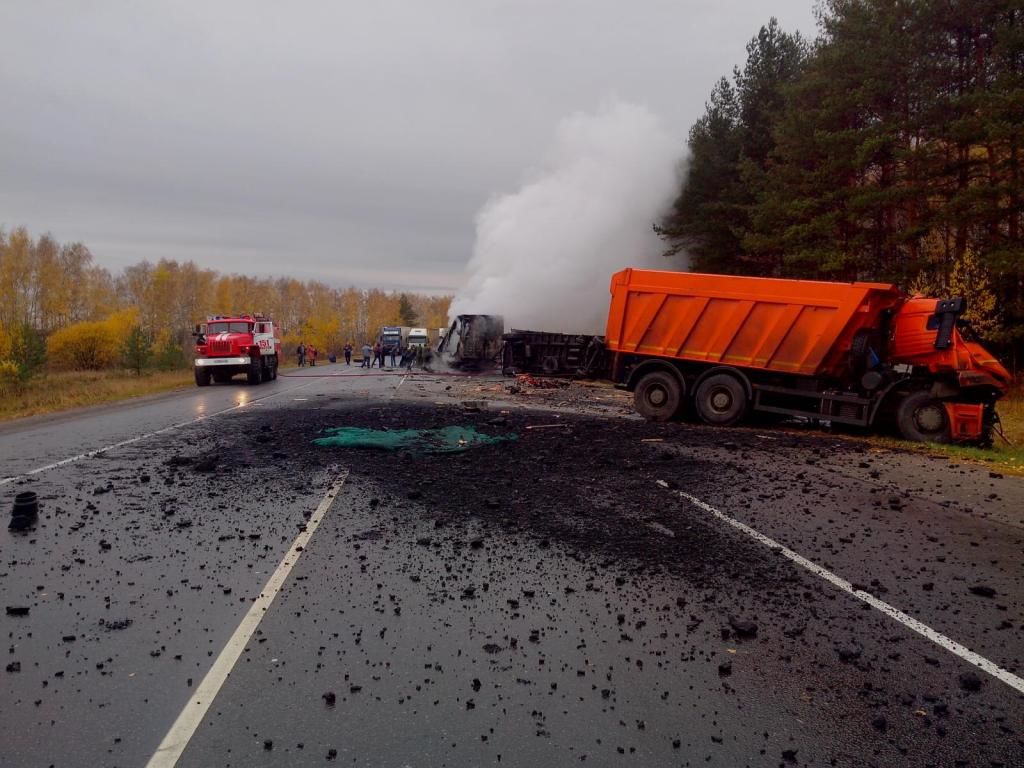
x: 301, y: 354
x: 348, y: 353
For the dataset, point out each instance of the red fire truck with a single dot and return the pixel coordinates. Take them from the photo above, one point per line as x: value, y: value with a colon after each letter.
x: 228, y: 345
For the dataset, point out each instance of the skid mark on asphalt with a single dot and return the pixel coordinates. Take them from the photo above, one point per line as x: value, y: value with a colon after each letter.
x: 178, y: 737
x: 906, y: 620
x: 130, y: 441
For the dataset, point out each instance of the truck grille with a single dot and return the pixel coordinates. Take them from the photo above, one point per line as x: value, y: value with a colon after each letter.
x: 220, y: 347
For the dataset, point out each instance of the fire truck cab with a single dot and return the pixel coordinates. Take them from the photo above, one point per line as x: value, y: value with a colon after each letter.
x: 226, y: 346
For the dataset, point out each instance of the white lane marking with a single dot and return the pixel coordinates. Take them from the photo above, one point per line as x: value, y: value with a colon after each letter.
x: 184, y: 727
x: 910, y: 622
x: 394, y: 392
x: 662, y: 529
x: 179, y: 425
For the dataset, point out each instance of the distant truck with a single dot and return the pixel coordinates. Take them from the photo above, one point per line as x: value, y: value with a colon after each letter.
x: 862, y: 354
x: 418, y: 337
x: 472, y: 341
x: 226, y: 346
x: 391, y: 337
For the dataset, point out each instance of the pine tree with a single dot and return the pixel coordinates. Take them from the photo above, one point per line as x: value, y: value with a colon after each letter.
x: 730, y: 147
x: 406, y: 311
x: 136, y: 351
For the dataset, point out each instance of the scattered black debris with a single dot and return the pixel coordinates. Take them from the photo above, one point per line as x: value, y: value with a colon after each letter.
x: 970, y: 681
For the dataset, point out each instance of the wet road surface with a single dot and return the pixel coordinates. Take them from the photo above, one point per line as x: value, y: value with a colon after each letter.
x: 550, y: 600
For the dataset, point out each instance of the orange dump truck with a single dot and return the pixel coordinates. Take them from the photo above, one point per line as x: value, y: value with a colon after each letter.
x: 863, y: 354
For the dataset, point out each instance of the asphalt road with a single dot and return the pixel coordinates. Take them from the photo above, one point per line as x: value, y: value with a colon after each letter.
x: 596, y: 590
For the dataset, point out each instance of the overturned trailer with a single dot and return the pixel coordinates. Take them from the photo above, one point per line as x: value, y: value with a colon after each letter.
x: 552, y: 354
x: 472, y: 341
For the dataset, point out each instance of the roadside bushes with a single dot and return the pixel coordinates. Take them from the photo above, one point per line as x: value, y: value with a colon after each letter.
x: 21, y: 356
x: 167, y: 353
x: 91, y: 346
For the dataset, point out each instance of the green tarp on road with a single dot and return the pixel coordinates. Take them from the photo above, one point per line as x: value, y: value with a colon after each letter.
x: 437, y: 440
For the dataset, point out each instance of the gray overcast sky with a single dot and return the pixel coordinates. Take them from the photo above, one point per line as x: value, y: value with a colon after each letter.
x: 351, y: 141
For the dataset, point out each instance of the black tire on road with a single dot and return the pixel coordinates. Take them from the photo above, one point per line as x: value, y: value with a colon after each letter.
x: 255, y: 373
x: 721, y: 400
x: 658, y: 396
x: 202, y: 377
x: 272, y: 367
x: 923, y: 419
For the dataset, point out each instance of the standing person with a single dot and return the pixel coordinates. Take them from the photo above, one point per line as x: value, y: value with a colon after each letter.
x: 301, y: 353
x: 378, y: 355
x: 312, y: 356
x: 393, y: 350
x: 367, y: 351
x: 348, y: 353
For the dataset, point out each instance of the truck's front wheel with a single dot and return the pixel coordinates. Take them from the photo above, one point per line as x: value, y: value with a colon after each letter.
x: 202, y: 377
x: 923, y: 419
x: 658, y: 396
x: 255, y: 373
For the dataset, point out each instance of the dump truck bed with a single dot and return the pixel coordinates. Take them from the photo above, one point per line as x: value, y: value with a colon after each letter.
x: 787, y: 326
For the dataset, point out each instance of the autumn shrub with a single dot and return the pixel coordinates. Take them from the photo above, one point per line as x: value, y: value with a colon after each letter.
x: 21, y: 356
x: 10, y: 378
x: 91, y: 346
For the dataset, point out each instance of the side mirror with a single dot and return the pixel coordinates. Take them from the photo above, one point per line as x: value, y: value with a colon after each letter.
x: 197, y: 330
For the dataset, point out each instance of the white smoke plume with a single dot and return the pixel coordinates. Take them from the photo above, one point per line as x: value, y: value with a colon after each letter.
x: 544, y: 255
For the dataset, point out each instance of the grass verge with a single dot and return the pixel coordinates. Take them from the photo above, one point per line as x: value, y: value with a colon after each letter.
x: 54, y: 392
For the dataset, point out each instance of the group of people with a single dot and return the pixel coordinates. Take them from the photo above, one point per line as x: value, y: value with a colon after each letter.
x: 405, y: 357
x: 375, y: 354
x: 306, y: 354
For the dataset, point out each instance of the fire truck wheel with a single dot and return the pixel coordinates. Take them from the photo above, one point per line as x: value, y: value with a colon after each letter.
x: 202, y: 377
x: 272, y: 369
x: 255, y: 373
x: 658, y: 396
x: 923, y: 419
x: 721, y: 400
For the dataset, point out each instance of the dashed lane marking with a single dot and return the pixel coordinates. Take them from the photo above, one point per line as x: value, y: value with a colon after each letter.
x: 130, y: 441
x: 906, y: 620
x: 181, y: 732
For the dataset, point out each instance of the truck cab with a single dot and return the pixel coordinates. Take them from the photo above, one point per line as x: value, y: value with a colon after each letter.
x: 418, y: 337
x: 390, y: 338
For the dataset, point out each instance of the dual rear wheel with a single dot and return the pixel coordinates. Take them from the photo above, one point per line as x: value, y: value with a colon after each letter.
x: 720, y: 399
